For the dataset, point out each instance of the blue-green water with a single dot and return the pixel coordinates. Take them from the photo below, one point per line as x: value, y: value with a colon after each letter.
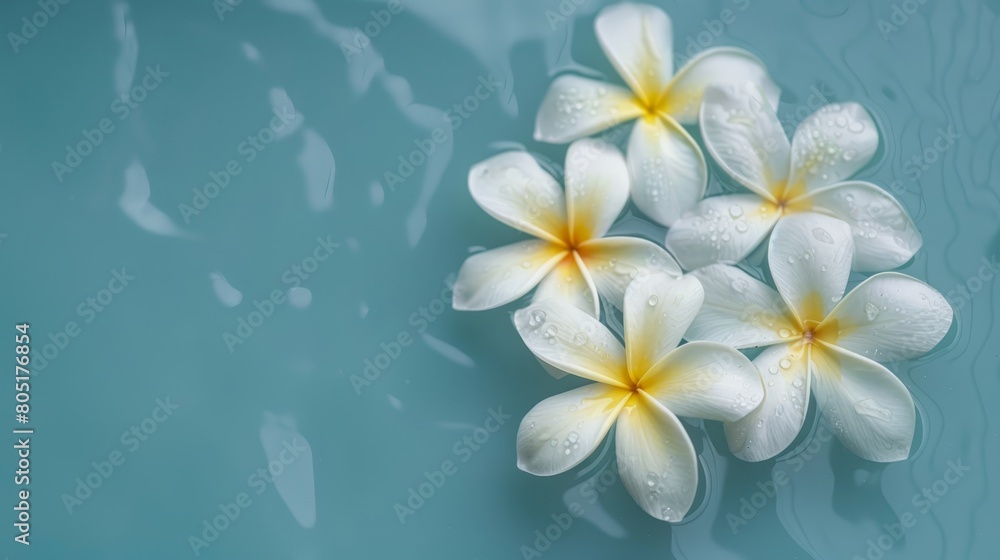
x: 187, y: 337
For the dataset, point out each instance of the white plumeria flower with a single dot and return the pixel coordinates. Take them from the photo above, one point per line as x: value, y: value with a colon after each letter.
x: 668, y: 170
x: 740, y: 129
x: 641, y: 385
x: 569, y: 259
x: 820, y: 340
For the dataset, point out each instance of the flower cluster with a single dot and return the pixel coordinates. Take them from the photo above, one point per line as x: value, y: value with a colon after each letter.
x: 817, y: 224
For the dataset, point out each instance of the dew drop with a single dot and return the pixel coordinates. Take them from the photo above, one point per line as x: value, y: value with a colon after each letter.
x: 822, y: 235
x: 871, y: 310
x: 868, y: 407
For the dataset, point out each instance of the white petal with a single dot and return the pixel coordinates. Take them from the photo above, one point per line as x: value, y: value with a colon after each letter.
x: 718, y: 66
x: 740, y: 128
x: 884, y: 235
x: 667, y: 168
x: 772, y: 427
x: 721, y: 229
x: 870, y: 409
x: 561, y: 431
x: 832, y: 144
x: 614, y: 261
x: 739, y: 310
x: 890, y: 317
x: 570, y: 282
x: 810, y: 258
x: 514, y: 189
x: 499, y: 276
x: 658, y: 310
x: 597, y: 188
x: 656, y: 459
x: 638, y: 40
x: 576, y: 107
x: 705, y: 380
x: 572, y: 340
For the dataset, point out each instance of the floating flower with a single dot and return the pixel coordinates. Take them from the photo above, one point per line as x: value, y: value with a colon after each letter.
x: 569, y: 259
x: 667, y: 167
x: 740, y: 129
x: 820, y: 340
x: 641, y: 386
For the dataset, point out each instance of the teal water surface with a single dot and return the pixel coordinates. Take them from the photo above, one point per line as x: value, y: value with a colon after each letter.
x: 237, y: 285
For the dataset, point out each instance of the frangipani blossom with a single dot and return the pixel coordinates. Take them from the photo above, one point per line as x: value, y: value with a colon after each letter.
x: 667, y: 167
x: 822, y: 341
x: 740, y: 129
x: 641, y: 386
x: 569, y: 259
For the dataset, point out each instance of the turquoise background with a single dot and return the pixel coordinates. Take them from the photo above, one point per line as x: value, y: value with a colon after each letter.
x: 360, y: 448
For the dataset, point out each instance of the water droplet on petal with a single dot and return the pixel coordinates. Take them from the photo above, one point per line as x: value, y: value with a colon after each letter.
x: 869, y: 407
x: 871, y: 310
x: 822, y: 235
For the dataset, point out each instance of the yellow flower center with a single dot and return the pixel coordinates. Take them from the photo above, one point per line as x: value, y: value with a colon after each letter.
x: 813, y: 327
x: 788, y: 197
